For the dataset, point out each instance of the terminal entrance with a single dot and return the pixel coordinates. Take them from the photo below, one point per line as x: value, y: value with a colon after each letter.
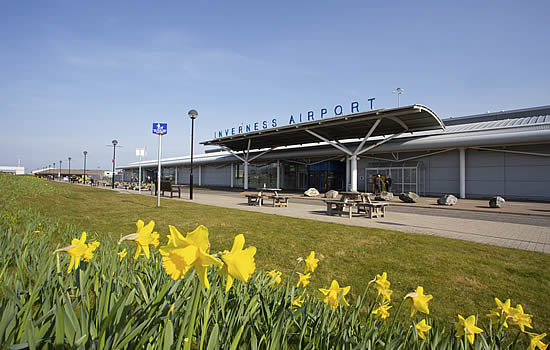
x: 327, y: 175
x: 404, y: 179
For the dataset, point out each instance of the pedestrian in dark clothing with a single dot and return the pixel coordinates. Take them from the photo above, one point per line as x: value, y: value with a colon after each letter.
x: 388, y: 183
x: 378, y: 184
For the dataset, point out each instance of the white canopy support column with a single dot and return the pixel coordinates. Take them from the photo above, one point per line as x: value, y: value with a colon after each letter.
x: 200, y: 175
x: 246, y: 161
x: 347, y: 174
x: 462, y: 154
x: 353, y: 161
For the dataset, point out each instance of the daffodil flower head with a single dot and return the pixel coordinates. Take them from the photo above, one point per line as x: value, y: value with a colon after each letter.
x: 419, y: 301
x: 122, y: 254
x: 89, y: 253
x: 311, y: 262
x: 381, y: 282
x: 502, y: 311
x: 238, y: 263
x: 296, y: 304
x: 144, y: 237
x: 422, y: 328
x: 78, y: 250
x: 535, y: 341
x: 304, y: 279
x: 467, y: 326
x: 275, y: 276
x: 182, y: 253
x: 518, y: 318
x: 382, y: 311
x: 334, y: 295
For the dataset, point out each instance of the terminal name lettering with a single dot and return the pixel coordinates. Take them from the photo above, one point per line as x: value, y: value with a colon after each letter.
x: 299, y: 118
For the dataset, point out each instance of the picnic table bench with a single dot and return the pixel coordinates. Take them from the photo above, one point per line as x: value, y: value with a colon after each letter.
x: 258, y: 199
x: 370, y: 208
x: 168, y: 187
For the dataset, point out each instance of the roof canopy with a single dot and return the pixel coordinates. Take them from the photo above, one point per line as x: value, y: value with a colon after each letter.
x: 380, y: 122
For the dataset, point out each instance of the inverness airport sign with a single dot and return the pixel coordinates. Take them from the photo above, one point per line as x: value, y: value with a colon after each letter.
x: 299, y: 118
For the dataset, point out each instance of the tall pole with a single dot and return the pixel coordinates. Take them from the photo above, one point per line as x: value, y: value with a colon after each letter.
x: 139, y: 183
x: 191, y: 174
x: 193, y: 114
x: 84, y: 176
x: 114, y: 142
x: 69, y: 169
x: 60, y: 162
x: 158, y: 171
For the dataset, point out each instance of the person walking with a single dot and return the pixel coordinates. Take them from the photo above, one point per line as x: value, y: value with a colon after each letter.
x: 388, y: 183
x: 378, y: 184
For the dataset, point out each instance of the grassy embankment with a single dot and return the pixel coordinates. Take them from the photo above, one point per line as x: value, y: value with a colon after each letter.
x: 463, y: 277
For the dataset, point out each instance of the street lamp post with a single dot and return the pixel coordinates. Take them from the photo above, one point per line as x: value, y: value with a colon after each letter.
x: 398, y: 91
x: 84, y: 176
x: 54, y: 169
x: 193, y: 114
x: 114, y: 142
x: 60, y: 162
x: 69, y: 168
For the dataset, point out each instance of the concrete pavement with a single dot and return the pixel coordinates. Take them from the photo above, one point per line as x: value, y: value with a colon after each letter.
x: 520, y: 225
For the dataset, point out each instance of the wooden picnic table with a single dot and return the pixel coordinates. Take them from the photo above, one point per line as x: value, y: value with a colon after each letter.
x: 258, y: 199
x: 354, y: 196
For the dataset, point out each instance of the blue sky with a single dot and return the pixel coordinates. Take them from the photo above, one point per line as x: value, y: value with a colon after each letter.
x: 74, y: 75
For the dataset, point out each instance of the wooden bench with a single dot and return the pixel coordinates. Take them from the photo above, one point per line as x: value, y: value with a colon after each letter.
x: 166, y: 186
x: 339, y: 207
x: 371, y: 208
x: 255, y: 199
x: 279, y: 201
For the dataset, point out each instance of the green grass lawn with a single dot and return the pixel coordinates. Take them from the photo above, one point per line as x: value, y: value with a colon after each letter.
x: 463, y: 277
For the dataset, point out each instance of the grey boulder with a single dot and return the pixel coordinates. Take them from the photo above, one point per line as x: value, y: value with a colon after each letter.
x: 497, y: 202
x: 312, y: 192
x: 409, y: 197
x: 331, y: 194
x: 384, y: 196
x: 447, y: 199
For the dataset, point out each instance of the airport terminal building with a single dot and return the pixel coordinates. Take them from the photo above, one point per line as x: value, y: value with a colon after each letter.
x: 504, y: 153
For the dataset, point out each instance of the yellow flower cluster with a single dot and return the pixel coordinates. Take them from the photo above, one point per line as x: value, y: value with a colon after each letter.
x: 79, y: 250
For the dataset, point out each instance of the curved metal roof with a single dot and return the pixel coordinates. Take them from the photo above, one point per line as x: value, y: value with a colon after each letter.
x: 352, y: 126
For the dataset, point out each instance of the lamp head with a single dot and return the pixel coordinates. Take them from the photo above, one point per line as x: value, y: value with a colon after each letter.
x: 85, y: 153
x: 114, y: 142
x: 193, y: 114
x: 69, y: 159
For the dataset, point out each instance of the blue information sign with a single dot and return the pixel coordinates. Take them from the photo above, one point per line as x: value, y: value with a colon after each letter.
x: 160, y: 128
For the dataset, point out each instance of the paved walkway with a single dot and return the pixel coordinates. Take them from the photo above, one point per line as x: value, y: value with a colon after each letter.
x: 520, y: 225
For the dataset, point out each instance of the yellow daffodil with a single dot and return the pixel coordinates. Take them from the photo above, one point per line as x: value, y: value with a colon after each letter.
x: 502, y: 310
x: 535, y: 341
x: 330, y: 296
x: 89, y: 253
x: 381, y: 282
x: 518, y: 318
x: 39, y: 229
x: 382, y: 311
x: 78, y: 250
x: 238, y: 263
x: 419, y: 301
x: 122, y: 254
x: 422, y: 328
x: 386, y: 295
x: 275, y: 276
x: 183, y: 253
x: 144, y: 237
x: 311, y: 262
x: 304, y: 279
x: 467, y: 326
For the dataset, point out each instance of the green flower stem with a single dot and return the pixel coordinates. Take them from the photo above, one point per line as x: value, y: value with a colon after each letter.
x: 197, y: 291
x: 393, y: 323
